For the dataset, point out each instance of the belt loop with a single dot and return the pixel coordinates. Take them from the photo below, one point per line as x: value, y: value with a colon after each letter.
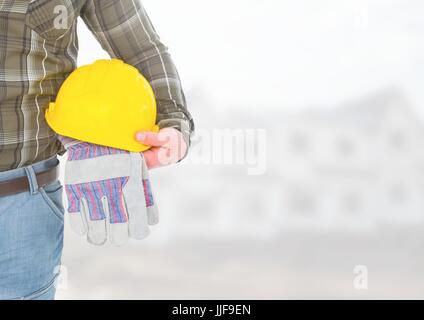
x: 32, y: 179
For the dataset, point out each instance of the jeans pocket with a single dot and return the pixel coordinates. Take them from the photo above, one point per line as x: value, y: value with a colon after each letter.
x: 52, y: 195
x: 45, y: 293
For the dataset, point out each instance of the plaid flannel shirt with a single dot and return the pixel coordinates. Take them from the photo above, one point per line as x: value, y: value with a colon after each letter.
x: 36, y: 57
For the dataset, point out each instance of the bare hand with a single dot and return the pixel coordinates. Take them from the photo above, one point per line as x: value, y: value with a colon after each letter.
x: 167, y: 147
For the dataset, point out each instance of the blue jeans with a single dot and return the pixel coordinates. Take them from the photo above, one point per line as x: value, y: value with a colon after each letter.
x: 31, y: 236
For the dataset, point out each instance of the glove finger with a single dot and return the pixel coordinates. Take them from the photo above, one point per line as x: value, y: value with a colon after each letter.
x: 96, y: 229
x: 76, y: 219
x: 152, y: 209
x: 137, y: 216
x: 78, y: 224
x: 152, y: 215
x: 134, y: 200
x: 118, y: 231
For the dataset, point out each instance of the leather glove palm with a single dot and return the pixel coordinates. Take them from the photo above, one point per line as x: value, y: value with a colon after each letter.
x: 109, y: 193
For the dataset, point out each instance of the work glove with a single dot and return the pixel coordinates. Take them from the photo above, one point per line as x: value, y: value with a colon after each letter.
x: 109, y: 193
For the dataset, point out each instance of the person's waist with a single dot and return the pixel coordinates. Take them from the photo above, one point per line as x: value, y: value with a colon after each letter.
x: 40, y: 166
x: 24, y: 153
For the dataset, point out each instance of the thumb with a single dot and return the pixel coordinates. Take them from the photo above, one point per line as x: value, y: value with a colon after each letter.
x: 149, y: 138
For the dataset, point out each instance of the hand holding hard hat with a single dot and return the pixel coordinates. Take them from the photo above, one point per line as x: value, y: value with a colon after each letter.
x: 110, y: 103
x: 167, y: 147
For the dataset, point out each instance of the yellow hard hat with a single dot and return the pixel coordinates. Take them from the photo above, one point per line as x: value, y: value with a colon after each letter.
x: 104, y: 103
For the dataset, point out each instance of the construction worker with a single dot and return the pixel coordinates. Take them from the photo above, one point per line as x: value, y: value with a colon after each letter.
x: 38, y: 52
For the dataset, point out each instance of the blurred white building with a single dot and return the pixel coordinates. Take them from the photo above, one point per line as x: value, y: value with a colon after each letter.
x: 350, y: 168
x: 355, y: 166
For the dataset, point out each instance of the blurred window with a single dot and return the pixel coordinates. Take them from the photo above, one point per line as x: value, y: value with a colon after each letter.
x: 302, y: 202
x: 345, y: 147
x: 300, y: 143
x: 398, y: 193
x: 352, y: 202
x: 397, y: 140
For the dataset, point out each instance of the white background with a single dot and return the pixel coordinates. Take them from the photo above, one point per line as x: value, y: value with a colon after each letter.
x: 255, y: 64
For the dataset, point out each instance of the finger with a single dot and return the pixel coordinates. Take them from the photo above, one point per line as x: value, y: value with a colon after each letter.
x: 157, y: 157
x: 76, y: 219
x: 176, y: 147
x: 151, y: 158
x: 166, y: 156
x: 96, y: 229
x: 138, y: 227
x: 118, y: 232
x: 152, y: 209
x: 134, y: 200
x: 152, y: 215
x: 78, y: 224
x: 153, y: 139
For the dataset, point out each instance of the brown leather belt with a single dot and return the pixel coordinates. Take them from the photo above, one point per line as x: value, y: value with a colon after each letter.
x: 21, y: 184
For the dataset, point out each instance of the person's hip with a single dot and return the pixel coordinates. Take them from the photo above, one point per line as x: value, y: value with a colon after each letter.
x: 31, y: 234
